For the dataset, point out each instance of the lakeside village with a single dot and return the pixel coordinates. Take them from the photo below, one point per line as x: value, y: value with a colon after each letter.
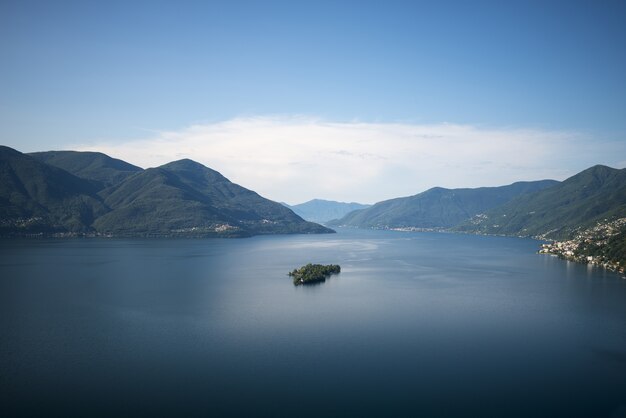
x: 603, y: 245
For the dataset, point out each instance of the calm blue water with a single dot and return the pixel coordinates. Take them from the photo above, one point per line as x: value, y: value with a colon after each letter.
x: 416, y: 324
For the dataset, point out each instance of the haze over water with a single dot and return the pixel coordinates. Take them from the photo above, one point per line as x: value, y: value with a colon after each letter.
x: 416, y: 324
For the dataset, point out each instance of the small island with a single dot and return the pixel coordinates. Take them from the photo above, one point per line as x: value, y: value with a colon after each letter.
x: 313, y: 273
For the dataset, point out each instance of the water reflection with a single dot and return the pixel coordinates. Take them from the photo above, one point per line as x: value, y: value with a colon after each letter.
x: 415, y: 324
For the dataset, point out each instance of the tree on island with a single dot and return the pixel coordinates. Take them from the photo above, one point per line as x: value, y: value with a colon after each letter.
x: 313, y: 273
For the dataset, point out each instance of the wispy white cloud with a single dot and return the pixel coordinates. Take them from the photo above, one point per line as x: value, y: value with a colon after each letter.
x: 293, y: 158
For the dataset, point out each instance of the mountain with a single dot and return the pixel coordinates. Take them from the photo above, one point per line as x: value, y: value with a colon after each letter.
x: 185, y: 197
x: 590, y: 196
x: 39, y: 198
x: 109, y: 196
x: 96, y: 166
x: 438, y: 207
x: 318, y: 210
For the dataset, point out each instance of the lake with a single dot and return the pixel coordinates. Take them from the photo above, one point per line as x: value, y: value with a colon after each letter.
x: 416, y: 324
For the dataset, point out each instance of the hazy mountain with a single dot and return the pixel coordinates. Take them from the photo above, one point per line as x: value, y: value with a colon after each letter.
x: 101, y: 168
x: 318, y: 210
x: 37, y: 197
x: 180, y: 198
x: 438, y: 207
x: 592, y: 195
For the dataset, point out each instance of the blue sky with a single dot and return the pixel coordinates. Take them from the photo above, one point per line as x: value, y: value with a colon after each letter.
x: 90, y: 73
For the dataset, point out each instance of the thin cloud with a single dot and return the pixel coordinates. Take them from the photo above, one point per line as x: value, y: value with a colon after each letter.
x: 295, y: 159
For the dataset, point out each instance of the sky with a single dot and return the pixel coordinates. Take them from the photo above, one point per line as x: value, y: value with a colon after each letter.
x: 343, y: 100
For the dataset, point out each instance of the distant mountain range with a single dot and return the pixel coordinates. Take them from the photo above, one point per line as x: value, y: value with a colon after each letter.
x: 438, y: 207
x: 547, y: 208
x: 69, y: 192
x: 319, y: 210
x: 85, y: 193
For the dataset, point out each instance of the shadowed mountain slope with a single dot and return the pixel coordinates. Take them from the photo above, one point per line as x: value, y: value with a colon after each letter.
x: 182, y: 198
x: 36, y: 197
x: 590, y: 196
x: 187, y: 197
x: 438, y: 207
x: 95, y: 166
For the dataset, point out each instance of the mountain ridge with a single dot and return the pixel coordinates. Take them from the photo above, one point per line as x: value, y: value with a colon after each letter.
x: 41, y: 198
x: 193, y: 197
x: 578, y: 202
x: 437, y: 207
x: 94, y: 166
x: 71, y: 192
x: 180, y: 198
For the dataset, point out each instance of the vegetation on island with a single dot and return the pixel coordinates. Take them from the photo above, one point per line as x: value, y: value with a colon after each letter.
x: 313, y: 273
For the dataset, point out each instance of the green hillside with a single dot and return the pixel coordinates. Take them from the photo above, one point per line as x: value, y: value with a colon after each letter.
x: 590, y: 196
x: 36, y: 197
x: 95, y: 166
x: 437, y: 207
x: 612, y: 249
x: 188, y: 198
x: 182, y: 198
